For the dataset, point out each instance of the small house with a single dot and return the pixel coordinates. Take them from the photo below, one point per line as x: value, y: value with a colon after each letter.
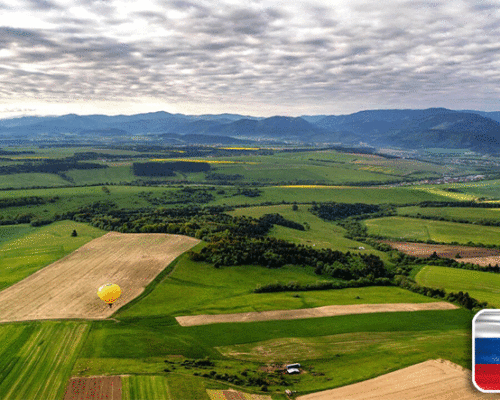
x: 293, y: 369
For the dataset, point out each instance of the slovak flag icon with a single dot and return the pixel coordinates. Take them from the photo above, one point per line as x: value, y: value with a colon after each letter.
x: 486, y: 351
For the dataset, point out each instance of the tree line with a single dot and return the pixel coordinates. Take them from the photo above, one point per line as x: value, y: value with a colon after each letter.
x: 152, y: 168
x: 274, y: 253
x: 47, y: 166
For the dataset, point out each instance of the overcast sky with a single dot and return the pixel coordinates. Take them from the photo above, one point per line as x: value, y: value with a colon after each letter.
x: 251, y: 57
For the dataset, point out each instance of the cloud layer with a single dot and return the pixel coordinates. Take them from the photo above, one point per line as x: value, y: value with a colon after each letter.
x: 255, y: 56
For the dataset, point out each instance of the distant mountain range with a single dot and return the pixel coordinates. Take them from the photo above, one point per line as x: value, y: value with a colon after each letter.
x: 408, y: 129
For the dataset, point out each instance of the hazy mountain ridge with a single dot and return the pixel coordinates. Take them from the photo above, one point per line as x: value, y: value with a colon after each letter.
x: 433, y: 127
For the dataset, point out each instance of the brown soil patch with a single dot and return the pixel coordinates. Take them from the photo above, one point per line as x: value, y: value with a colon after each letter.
x: 68, y: 287
x: 95, y: 388
x: 434, y: 379
x: 326, y: 311
x: 482, y: 261
x: 424, y: 250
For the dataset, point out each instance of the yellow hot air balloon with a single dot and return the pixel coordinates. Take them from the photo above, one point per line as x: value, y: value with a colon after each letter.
x: 109, y: 293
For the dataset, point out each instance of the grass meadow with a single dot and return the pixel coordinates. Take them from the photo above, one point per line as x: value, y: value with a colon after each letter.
x: 342, y: 194
x: 141, y: 387
x: 472, y: 214
x: 24, y: 249
x: 383, y: 342
x: 37, y: 358
x: 19, y: 181
x: 483, y: 286
x: 408, y: 229
x: 199, y: 288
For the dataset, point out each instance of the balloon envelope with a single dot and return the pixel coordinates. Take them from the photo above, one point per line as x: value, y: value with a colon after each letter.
x: 109, y: 292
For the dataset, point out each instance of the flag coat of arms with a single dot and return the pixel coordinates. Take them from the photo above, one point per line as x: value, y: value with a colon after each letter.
x: 486, y: 351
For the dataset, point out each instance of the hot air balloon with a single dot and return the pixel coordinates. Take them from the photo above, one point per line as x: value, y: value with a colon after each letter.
x: 109, y: 293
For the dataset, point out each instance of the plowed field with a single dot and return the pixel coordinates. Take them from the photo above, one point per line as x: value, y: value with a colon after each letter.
x: 434, y: 379
x: 95, y: 388
x: 448, y: 251
x: 326, y: 311
x: 68, y: 287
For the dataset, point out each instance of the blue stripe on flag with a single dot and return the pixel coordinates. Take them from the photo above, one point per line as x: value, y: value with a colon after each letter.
x: 487, y: 351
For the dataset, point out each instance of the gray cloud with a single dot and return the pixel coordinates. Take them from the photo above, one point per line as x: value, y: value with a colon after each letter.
x: 408, y: 52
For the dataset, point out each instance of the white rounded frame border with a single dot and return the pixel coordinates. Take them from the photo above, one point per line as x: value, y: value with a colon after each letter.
x: 488, y: 310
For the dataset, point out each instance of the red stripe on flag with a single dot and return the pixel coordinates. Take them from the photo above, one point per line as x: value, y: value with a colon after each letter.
x: 487, y: 376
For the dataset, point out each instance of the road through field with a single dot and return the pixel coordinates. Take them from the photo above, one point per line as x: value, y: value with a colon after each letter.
x: 325, y: 311
x: 433, y: 379
x: 68, y: 287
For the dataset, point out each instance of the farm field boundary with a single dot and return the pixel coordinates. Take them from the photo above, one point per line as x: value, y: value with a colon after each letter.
x: 433, y: 379
x: 318, y: 312
x: 68, y: 287
x: 99, y: 387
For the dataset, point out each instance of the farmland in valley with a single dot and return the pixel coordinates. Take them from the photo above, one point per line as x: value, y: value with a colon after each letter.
x: 139, y: 346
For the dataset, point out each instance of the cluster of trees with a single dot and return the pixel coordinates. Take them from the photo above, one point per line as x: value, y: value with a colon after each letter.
x: 15, y: 153
x: 248, y: 192
x: 354, y: 229
x: 274, y: 253
x: 471, y: 204
x: 152, y: 168
x: 322, y: 285
x: 47, y: 166
x: 461, y: 298
x: 278, y: 219
x: 334, y: 211
x: 27, y: 201
x: 184, y: 196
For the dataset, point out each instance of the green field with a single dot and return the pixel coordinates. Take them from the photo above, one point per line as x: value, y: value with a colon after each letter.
x: 17, y: 181
x: 28, y: 249
x: 408, y: 229
x: 384, y: 342
x: 489, y: 189
x: 471, y: 214
x: 343, y: 194
x: 144, y: 387
x: 199, y: 288
x: 37, y: 358
x: 483, y: 286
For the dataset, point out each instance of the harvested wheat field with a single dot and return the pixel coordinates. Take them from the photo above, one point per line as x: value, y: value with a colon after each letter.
x: 68, y: 287
x: 442, y: 250
x: 326, y: 311
x: 95, y: 388
x: 434, y: 379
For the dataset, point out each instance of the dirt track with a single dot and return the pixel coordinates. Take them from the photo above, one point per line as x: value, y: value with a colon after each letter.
x: 434, y: 379
x: 95, y: 388
x: 326, y: 311
x: 68, y: 287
